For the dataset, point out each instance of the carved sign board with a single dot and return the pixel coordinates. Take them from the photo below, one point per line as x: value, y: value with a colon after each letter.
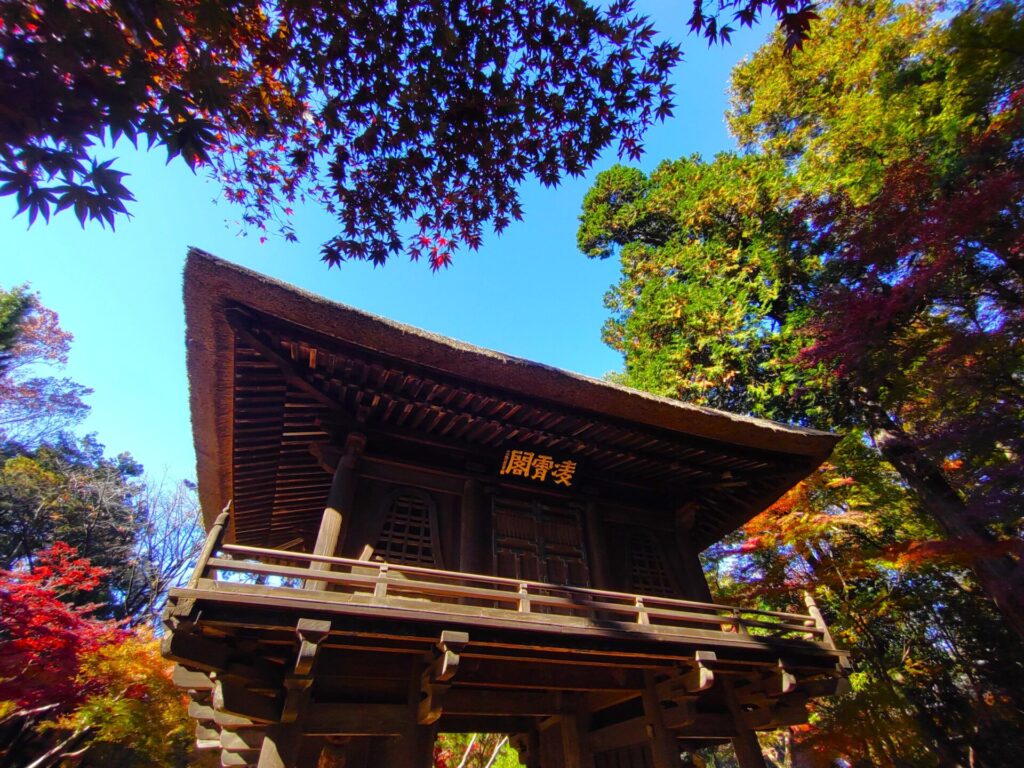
x: 538, y: 467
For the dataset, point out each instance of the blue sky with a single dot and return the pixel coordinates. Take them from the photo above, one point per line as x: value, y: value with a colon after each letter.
x: 528, y: 292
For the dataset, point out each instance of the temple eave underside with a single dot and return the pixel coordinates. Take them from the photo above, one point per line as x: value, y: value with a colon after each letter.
x: 297, y: 394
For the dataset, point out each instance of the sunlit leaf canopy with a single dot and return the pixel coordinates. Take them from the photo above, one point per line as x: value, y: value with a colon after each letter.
x: 858, y: 267
x: 430, y: 113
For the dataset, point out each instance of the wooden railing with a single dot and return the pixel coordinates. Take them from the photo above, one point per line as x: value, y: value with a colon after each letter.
x: 386, y: 584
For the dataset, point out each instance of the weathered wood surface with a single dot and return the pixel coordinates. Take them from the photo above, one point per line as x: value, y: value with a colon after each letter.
x: 604, y: 609
x: 290, y: 381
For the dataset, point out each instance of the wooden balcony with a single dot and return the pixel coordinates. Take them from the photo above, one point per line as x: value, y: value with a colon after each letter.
x: 251, y: 622
x: 264, y: 578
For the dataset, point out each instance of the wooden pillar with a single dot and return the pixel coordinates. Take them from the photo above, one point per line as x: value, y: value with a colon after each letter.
x: 571, y: 746
x: 583, y: 732
x: 597, y: 543
x: 664, y: 748
x: 339, y: 504
x: 744, y: 744
x: 470, y: 546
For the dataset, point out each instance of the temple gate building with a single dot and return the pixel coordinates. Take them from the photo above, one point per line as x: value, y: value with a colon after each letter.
x: 420, y: 536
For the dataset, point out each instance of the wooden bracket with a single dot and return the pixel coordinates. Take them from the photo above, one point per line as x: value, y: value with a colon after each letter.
x: 311, y: 633
x: 180, y: 615
x: 781, y: 682
x: 296, y: 696
x: 190, y: 679
x: 701, y: 676
x: 236, y: 700
x: 436, y: 678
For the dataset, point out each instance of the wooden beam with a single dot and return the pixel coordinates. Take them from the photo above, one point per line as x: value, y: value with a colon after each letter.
x: 187, y: 678
x: 233, y: 699
x: 498, y: 724
x: 494, y: 703
x: 281, y: 746
x: 229, y: 759
x: 242, y: 740
x: 311, y: 633
x: 626, y: 733
x: 239, y: 320
x: 205, y: 732
x: 213, y: 656
x: 436, y: 678
x: 194, y: 651
x: 357, y: 719
x: 663, y: 745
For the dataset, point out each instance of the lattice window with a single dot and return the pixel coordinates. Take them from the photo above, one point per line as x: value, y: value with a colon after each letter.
x: 409, y: 533
x: 647, y: 572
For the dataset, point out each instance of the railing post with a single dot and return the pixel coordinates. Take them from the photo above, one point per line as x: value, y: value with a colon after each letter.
x: 738, y: 622
x: 213, y: 541
x: 641, y: 611
x: 524, y: 598
x: 819, y: 620
x: 380, y: 589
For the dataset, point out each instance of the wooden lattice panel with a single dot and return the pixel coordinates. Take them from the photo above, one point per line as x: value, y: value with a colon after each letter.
x: 647, y: 572
x: 409, y: 534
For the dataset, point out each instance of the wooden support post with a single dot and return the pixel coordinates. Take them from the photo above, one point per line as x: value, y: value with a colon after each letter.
x: 572, y: 747
x: 415, y: 747
x: 744, y: 743
x: 597, y: 543
x: 213, y: 541
x: 664, y: 749
x: 470, y: 547
x: 583, y: 733
x: 339, y: 503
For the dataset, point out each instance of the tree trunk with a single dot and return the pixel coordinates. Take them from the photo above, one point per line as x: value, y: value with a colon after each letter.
x: 996, y: 574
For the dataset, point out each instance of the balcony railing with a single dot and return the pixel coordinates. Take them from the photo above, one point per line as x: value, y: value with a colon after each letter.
x: 377, y: 588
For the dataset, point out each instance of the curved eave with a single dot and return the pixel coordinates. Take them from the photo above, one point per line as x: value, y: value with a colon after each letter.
x: 212, y: 285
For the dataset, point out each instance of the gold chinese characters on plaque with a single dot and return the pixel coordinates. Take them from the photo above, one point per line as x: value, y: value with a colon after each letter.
x: 539, y: 467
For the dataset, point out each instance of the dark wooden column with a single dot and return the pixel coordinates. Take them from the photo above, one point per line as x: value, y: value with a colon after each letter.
x: 470, y: 545
x: 664, y: 748
x: 339, y: 504
x: 744, y: 743
x: 597, y: 544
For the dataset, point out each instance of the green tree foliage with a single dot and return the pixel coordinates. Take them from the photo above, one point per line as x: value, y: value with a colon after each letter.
x: 432, y: 112
x: 714, y: 272
x: 474, y: 750
x: 858, y: 268
x: 14, y: 305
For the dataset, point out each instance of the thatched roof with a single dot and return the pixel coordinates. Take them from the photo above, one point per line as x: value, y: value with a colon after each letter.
x: 271, y: 367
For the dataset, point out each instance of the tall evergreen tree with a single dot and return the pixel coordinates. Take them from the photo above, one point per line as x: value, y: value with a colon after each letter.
x: 858, y: 269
